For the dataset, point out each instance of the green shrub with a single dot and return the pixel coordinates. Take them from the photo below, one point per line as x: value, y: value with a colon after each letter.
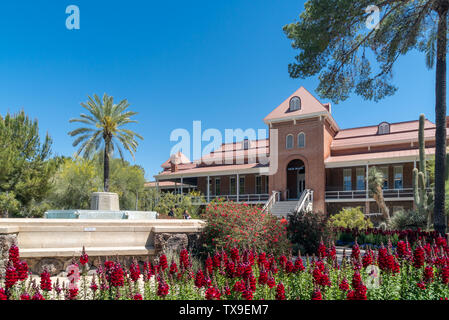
x: 231, y: 224
x: 408, y: 219
x: 306, y: 230
x: 350, y: 218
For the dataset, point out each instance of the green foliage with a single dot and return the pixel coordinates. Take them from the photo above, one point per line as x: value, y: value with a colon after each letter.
x: 350, y: 218
x: 168, y: 200
x: 305, y: 230
x: 25, y: 165
x: 375, y: 184
x: 423, y: 200
x: 408, y: 219
x: 105, y: 130
x: 231, y: 224
x: 78, y: 178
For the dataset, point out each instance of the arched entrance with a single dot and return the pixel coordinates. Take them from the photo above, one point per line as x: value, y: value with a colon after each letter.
x: 296, y: 179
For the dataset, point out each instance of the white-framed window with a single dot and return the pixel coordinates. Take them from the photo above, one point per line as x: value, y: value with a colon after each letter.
x: 360, y: 179
x: 246, y: 144
x: 232, y: 185
x: 384, y: 171
x: 217, y: 186
x: 384, y: 128
x: 258, y: 184
x: 289, y: 141
x: 301, y: 140
x: 347, y: 179
x: 242, y: 185
x: 398, y: 177
x: 295, y: 104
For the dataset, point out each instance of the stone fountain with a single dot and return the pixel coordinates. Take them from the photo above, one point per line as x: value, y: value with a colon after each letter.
x: 104, y: 205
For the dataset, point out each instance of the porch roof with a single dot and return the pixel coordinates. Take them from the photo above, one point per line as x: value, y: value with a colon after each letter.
x: 223, y: 170
x: 375, y: 158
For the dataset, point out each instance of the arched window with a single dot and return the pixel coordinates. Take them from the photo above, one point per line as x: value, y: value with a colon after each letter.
x: 289, y: 142
x: 295, y: 104
x: 384, y: 128
x: 302, y: 140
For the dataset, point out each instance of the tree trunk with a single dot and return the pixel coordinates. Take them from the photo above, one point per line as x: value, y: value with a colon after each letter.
x: 440, y: 115
x: 106, y: 166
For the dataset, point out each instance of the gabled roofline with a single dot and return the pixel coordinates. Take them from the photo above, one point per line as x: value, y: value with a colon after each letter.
x: 326, y: 114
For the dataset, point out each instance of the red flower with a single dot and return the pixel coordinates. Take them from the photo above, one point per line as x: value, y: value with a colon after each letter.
x: 271, y: 282
x: 162, y: 289
x: 421, y: 285
x: 117, y: 276
x: 184, y: 259
x: 73, y: 294
x: 445, y: 274
x: 212, y: 293
x: 209, y: 265
x: 134, y: 271
x: 24, y: 296
x: 344, y: 285
x: 84, y: 258
x: 13, y: 254
x: 418, y: 257
x: 428, y: 274
x: 263, y: 277
x: 45, y: 281
x: 11, y: 277
x: 3, y: 295
x: 355, y: 254
x: 163, y: 264
x: 137, y: 296
x: 280, y: 292
x: 37, y: 296
x: 199, y: 279
x: 298, y: 265
x: 322, y: 250
x: 173, y: 268
x: 316, y: 295
x: 22, y: 270
x: 247, y: 295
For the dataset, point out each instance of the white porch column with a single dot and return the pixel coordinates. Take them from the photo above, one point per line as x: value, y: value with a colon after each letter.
x: 238, y: 187
x: 366, y: 182
x: 367, y: 206
x: 208, y: 189
x: 182, y: 185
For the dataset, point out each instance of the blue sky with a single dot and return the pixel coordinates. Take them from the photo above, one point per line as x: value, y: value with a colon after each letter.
x: 223, y: 62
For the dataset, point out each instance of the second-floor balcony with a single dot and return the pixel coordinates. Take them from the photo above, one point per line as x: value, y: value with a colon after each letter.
x: 403, y: 194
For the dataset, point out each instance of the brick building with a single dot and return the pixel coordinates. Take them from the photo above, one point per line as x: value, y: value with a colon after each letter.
x: 312, y: 154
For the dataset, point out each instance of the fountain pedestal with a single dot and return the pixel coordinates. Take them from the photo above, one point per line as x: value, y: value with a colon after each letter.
x: 104, y: 201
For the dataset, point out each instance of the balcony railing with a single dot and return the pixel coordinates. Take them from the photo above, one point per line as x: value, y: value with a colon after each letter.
x: 249, y: 198
x: 363, y: 195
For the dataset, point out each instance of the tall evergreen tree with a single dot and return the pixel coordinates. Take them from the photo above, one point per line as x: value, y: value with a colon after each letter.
x: 25, y: 165
x: 336, y: 37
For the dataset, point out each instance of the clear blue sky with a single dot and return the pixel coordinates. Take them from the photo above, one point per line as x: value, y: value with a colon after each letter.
x: 223, y: 62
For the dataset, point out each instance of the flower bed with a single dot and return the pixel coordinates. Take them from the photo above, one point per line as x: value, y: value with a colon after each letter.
x: 403, y: 273
x: 375, y: 237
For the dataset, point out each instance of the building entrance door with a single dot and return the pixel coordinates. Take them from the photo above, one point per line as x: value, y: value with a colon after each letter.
x: 296, y: 179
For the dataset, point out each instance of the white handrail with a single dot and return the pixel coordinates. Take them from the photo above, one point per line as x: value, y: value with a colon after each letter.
x: 271, y: 201
x: 304, y: 201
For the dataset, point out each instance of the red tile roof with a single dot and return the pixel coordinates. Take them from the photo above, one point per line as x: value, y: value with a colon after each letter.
x: 309, y: 105
x: 377, y: 156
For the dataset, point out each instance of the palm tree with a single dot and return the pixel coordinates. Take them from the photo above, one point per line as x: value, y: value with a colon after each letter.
x: 375, y: 183
x: 105, y: 131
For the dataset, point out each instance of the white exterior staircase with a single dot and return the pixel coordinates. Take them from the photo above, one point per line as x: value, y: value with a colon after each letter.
x: 284, y: 208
